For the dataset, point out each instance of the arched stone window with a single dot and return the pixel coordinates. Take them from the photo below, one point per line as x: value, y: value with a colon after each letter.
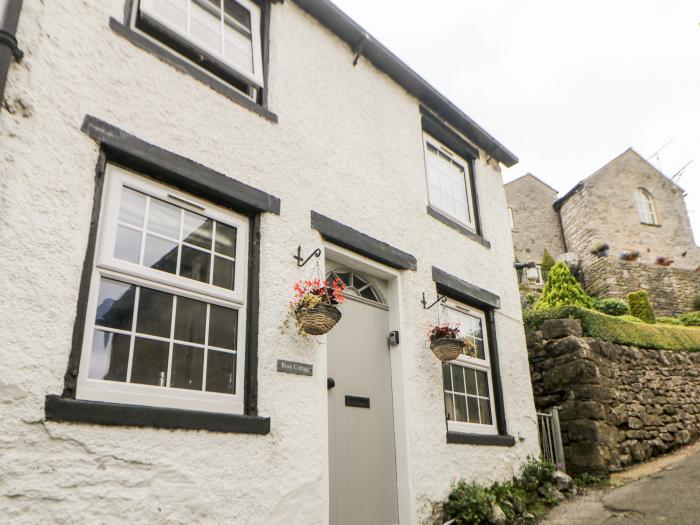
x: 645, y: 207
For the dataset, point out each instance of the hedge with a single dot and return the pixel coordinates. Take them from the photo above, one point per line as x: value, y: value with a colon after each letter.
x: 617, y: 330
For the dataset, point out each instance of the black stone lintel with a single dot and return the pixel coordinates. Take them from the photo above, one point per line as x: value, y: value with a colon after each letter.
x: 447, y: 221
x: 173, y: 59
x: 361, y: 243
x: 463, y: 291
x: 480, y: 439
x: 436, y: 128
x: 173, y: 169
x: 59, y: 408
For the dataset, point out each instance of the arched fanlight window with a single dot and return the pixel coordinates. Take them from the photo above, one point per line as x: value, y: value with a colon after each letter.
x: 645, y: 207
x: 357, y: 285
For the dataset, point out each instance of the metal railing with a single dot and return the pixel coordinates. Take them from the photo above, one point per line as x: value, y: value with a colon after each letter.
x: 551, y: 446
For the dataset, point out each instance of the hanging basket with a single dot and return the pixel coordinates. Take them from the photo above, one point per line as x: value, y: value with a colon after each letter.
x: 318, y: 320
x: 447, y: 349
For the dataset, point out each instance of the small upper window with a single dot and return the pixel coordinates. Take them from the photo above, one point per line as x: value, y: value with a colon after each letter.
x: 449, y: 190
x: 645, y: 207
x: 224, y: 33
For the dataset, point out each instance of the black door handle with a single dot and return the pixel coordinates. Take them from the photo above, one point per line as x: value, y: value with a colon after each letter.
x: 330, y: 383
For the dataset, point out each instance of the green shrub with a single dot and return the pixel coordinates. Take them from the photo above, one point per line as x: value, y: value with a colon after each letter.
x: 546, y: 265
x: 690, y: 319
x: 587, y: 479
x: 619, y: 330
x: 630, y: 318
x: 531, y: 492
x: 562, y: 289
x: 641, y: 307
x: 696, y: 302
x: 611, y: 306
x: 669, y: 320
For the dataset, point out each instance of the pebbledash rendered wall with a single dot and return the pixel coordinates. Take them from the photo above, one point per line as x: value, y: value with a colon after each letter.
x: 618, y: 404
x: 347, y: 144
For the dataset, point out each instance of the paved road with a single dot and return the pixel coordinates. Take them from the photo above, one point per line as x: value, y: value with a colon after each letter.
x: 670, y: 496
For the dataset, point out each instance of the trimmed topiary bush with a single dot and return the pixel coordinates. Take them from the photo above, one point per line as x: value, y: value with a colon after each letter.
x: 662, y: 319
x: 562, y: 289
x: 619, y: 330
x: 611, y: 306
x: 690, y: 319
x: 547, y: 263
x: 640, y: 306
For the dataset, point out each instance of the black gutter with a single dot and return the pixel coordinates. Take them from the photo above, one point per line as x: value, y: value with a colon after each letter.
x: 362, y: 43
x: 8, y: 42
x: 560, y: 201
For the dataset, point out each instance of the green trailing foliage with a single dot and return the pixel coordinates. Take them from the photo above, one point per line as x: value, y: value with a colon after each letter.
x: 620, y: 330
x: 562, y: 289
x: 531, y: 492
x: 662, y: 319
x: 690, y: 319
x: 640, y: 306
x: 611, y: 306
x: 587, y: 479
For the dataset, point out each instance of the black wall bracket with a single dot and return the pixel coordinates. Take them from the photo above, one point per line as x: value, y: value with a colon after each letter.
x: 10, y: 41
x: 440, y: 299
x: 301, y: 261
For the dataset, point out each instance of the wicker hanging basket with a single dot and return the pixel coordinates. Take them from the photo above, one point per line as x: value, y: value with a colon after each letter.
x: 318, y: 320
x: 447, y: 349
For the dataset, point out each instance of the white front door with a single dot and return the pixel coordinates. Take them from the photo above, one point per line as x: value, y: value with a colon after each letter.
x: 360, y: 411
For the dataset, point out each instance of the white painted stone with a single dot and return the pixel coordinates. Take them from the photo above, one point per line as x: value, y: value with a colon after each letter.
x: 348, y: 144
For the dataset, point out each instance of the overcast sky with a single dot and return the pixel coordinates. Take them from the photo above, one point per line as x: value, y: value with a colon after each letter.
x: 566, y: 85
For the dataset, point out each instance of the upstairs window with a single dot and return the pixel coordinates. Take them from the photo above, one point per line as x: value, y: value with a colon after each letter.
x: 449, y: 188
x: 166, y: 313
x: 222, y: 36
x: 645, y: 207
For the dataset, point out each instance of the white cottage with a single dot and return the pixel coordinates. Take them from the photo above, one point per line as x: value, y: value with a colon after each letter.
x: 162, y: 163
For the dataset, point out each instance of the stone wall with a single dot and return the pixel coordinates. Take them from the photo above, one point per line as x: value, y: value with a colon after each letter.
x: 535, y: 222
x: 619, y: 405
x: 672, y: 290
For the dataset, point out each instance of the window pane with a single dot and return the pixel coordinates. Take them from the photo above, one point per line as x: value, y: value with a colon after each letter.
x: 221, y: 372
x: 482, y: 383
x: 471, y: 381
x: 164, y: 218
x: 485, y: 407
x: 132, y: 207
x: 225, y: 240
x: 127, y: 245
x: 457, y: 379
x: 194, y: 264
x: 160, y: 254
x: 223, y: 324
x: 224, y: 273
x: 150, y: 362
x: 460, y: 408
x: 449, y: 407
x: 205, y: 23
x: 197, y: 230
x: 446, y: 377
x: 190, y: 321
x: 172, y: 11
x: 187, y: 367
x: 155, y: 312
x: 473, y: 409
x: 115, y: 305
x: 238, y: 13
x: 110, y: 356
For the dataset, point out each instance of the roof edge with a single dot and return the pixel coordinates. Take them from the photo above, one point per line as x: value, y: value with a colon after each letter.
x: 361, y: 42
x: 528, y: 174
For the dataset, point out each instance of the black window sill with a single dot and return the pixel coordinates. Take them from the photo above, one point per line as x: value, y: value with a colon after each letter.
x: 58, y: 408
x: 461, y: 438
x: 435, y: 214
x: 184, y: 66
x: 652, y: 224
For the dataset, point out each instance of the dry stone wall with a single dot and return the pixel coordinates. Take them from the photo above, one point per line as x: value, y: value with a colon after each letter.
x: 619, y: 405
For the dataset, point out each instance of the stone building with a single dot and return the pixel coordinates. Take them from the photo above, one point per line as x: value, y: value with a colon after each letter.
x: 162, y: 163
x: 627, y: 204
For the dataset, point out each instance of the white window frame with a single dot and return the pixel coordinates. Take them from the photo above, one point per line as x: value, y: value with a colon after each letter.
x: 646, y: 208
x: 465, y: 165
x: 256, y: 78
x: 105, y: 265
x: 482, y: 365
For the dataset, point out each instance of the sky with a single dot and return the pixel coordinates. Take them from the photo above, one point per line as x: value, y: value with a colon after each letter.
x: 566, y: 85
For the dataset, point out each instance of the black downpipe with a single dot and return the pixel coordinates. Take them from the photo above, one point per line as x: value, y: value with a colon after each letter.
x: 9, y: 17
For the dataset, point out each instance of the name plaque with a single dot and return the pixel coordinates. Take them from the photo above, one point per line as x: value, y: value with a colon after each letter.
x: 292, y: 367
